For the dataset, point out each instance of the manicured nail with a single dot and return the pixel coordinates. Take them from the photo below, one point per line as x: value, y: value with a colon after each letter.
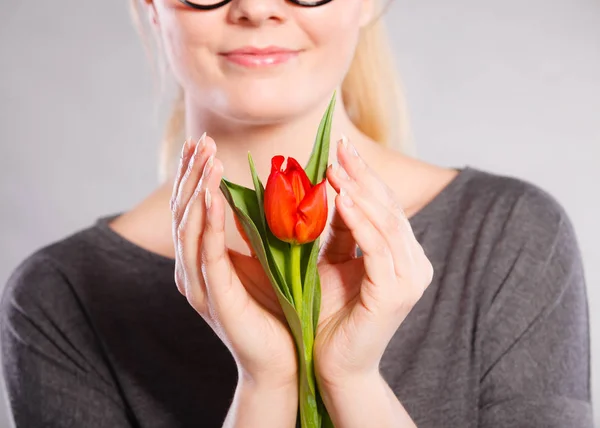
x: 202, y: 140
x: 184, y: 149
x: 340, y: 172
x: 352, y: 149
x: 344, y: 142
x: 208, y: 166
x: 207, y: 199
x: 346, y: 200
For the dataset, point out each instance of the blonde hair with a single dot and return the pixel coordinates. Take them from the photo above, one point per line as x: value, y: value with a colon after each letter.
x: 372, y: 93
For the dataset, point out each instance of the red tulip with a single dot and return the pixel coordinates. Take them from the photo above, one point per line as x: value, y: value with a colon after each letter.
x: 296, y: 210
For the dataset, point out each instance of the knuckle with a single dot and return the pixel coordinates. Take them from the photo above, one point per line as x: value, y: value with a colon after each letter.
x: 410, y: 297
x: 181, y: 233
x: 414, y: 296
x: 391, y: 222
x: 197, y: 191
x: 397, y: 209
x: 425, y: 272
x: 191, y: 163
x: 428, y: 272
x: 405, y: 297
x: 380, y: 248
x: 401, y: 304
x: 195, y: 300
x: 175, y: 204
x: 180, y: 280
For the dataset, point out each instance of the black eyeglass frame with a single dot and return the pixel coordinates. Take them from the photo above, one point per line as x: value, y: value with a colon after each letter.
x: 224, y: 2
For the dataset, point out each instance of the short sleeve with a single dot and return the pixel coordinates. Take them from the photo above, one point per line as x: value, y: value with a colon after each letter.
x: 536, y: 342
x: 52, y: 363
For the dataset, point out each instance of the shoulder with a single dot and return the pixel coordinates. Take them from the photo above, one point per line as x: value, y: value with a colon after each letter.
x: 506, y: 206
x: 505, y: 236
x: 524, y: 247
x: 41, y: 285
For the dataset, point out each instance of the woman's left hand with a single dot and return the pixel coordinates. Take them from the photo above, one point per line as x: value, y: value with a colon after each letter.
x: 364, y: 299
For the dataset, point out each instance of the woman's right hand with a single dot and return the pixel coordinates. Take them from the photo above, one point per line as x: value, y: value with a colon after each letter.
x: 228, y: 289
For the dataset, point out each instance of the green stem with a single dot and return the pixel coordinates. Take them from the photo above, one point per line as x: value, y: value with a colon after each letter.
x: 296, y: 277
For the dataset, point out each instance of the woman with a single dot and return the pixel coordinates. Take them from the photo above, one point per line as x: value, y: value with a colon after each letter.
x: 470, y: 313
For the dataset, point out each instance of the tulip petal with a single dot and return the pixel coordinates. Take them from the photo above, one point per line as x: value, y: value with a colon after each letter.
x: 276, y: 163
x: 293, y: 167
x: 280, y: 207
x: 312, y: 214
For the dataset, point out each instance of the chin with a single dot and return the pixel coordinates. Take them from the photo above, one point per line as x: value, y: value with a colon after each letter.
x: 263, y: 104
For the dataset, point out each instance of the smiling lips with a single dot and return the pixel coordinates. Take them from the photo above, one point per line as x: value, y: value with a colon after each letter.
x: 250, y: 56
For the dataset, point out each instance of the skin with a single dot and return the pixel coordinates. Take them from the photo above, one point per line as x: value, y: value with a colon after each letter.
x: 364, y: 300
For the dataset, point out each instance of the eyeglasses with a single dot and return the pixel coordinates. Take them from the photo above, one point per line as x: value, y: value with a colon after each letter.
x: 211, y: 4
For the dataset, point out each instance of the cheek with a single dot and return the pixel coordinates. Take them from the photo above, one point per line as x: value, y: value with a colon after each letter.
x: 333, y: 34
x: 186, y: 37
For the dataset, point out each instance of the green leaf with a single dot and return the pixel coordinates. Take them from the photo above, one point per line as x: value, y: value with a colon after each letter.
x: 248, y: 206
x: 278, y: 248
x: 309, y: 318
x: 316, y: 307
x: 312, y: 290
x: 243, y: 200
x: 317, y: 163
x: 246, y: 209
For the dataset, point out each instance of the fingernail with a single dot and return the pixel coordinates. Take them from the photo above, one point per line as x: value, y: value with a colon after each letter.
x: 207, y: 199
x: 346, y: 200
x: 208, y: 166
x: 344, y: 142
x: 198, y: 146
x: 184, y: 149
x: 353, y: 149
x: 340, y: 171
x: 348, y: 145
x: 202, y: 140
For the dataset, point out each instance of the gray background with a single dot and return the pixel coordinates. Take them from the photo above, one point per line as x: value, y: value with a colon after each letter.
x: 510, y: 86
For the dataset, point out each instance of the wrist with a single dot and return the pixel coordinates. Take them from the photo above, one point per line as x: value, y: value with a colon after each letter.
x: 358, y: 401
x: 263, y: 402
x: 349, y: 382
x: 267, y: 381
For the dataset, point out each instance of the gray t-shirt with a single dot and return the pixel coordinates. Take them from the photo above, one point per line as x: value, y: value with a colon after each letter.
x: 95, y: 333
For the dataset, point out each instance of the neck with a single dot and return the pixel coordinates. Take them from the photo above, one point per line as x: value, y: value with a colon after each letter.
x: 294, y: 137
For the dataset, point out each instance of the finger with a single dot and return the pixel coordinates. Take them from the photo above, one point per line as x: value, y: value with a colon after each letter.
x: 382, y: 209
x: 186, y: 151
x: 339, y: 245
x: 388, y: 222
x: 204, y: 148
x: 410, y: 263
x: 356, y: 168
x: 224, y: 290
x: 189, y: 233
x: 352, y: 166
x: 378, y: 262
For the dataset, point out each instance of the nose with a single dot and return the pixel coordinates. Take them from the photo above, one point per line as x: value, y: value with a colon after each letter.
x: 257, y: 12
